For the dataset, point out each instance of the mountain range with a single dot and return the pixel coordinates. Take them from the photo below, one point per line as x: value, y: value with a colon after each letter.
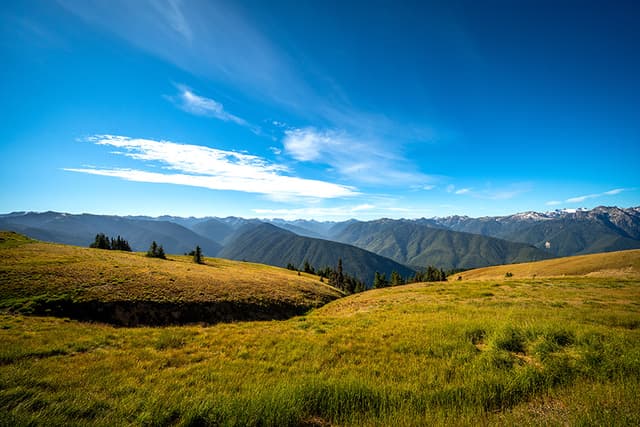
x: 384, y: 245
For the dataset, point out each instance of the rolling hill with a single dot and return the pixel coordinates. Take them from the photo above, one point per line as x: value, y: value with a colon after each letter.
x: 621, y: 264
x: 130, y: 289
x: 419, y: 245
x: 80, y: 230
x: 272, y: 245
x: 521, y: 352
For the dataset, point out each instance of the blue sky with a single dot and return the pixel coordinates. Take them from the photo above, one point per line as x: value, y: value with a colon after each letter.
x: 319, y: 109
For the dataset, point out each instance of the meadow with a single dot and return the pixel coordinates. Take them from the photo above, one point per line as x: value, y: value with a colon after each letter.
x: 544, y: 351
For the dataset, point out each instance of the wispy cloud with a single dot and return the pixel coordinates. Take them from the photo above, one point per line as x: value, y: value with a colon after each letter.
x: 361, y: 159
x: 490, y: 192
x: 580, y: 199
x: 199, y: 166
x: 171, y: 12
x: 335, y: 212
x: 188, y: 101
x: 218, y: 41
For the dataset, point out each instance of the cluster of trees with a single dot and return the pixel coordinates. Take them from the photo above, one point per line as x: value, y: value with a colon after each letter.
x: 381, y: 281
x: 431, y: 274
x: 349, y: 284
x: 335, y: 277
x: 156, y: 251
x: 102, y: 241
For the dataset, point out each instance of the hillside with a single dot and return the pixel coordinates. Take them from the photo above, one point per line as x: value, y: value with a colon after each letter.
x: 80, y: 230
x: 272, y: 245
x: 419, y: 245
x: 130, y: 289
x: 622, y: 264
x: 522, y: 352
x: 601, y: 229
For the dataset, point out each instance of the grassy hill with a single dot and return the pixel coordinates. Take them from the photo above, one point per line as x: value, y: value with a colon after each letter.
x: 130, y: 289
x: 527, y: 352
x: 544, y: 351
x: 621, y: 264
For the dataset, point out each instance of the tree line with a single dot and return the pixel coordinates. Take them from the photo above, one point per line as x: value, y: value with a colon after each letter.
x: 335, y: 277
x: 102, y: 241
x: 350, y: 284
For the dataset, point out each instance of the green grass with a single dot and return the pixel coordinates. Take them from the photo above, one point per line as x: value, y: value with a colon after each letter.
x: 520, y: 351
x: 420, y: 354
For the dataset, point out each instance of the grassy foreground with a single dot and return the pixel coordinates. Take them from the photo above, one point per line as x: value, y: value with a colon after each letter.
x: 550, y: 351
x: 523, y: 352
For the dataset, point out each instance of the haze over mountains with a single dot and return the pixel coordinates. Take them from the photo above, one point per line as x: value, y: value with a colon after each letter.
x: 385, y: 245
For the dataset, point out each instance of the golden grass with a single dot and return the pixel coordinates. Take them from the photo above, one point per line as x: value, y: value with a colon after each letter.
x: 621, y: 264
x: 36, y: 268
x: 551, y: 351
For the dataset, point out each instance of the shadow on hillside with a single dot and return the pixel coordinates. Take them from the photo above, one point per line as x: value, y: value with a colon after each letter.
x: 154, y: 313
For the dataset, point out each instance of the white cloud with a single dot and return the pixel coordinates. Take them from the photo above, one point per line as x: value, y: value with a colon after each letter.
x: 171, y: 11
x: 189, y: 101
x: 211, y: 168
x: 336, y: 212
x: 362, y: 159
x: 580, y: 199
x: 428, y: 187
x: 489, y: 192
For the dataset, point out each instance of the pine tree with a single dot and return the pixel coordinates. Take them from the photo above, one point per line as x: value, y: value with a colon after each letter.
x: 376, y: 281
x: 161, y: 253
x: 340, y: 277
x: 396, y: 279
x: 197, y: 255
x: 153, y: 250
x: 308, y: 268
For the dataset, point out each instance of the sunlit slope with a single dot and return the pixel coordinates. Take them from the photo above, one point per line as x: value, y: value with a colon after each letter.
x: 563, y: 351
x: 621, y: 264
x: 69, y: 280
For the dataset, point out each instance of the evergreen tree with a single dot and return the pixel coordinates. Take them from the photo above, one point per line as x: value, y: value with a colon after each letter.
x: 161, y: 253
x: 197, y: 256
x: 376, y: 281
x: 396, y: 279
x: 153, y: 250
x: 101, y: 242
x: 380, y: 280
x: 308, y: 268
